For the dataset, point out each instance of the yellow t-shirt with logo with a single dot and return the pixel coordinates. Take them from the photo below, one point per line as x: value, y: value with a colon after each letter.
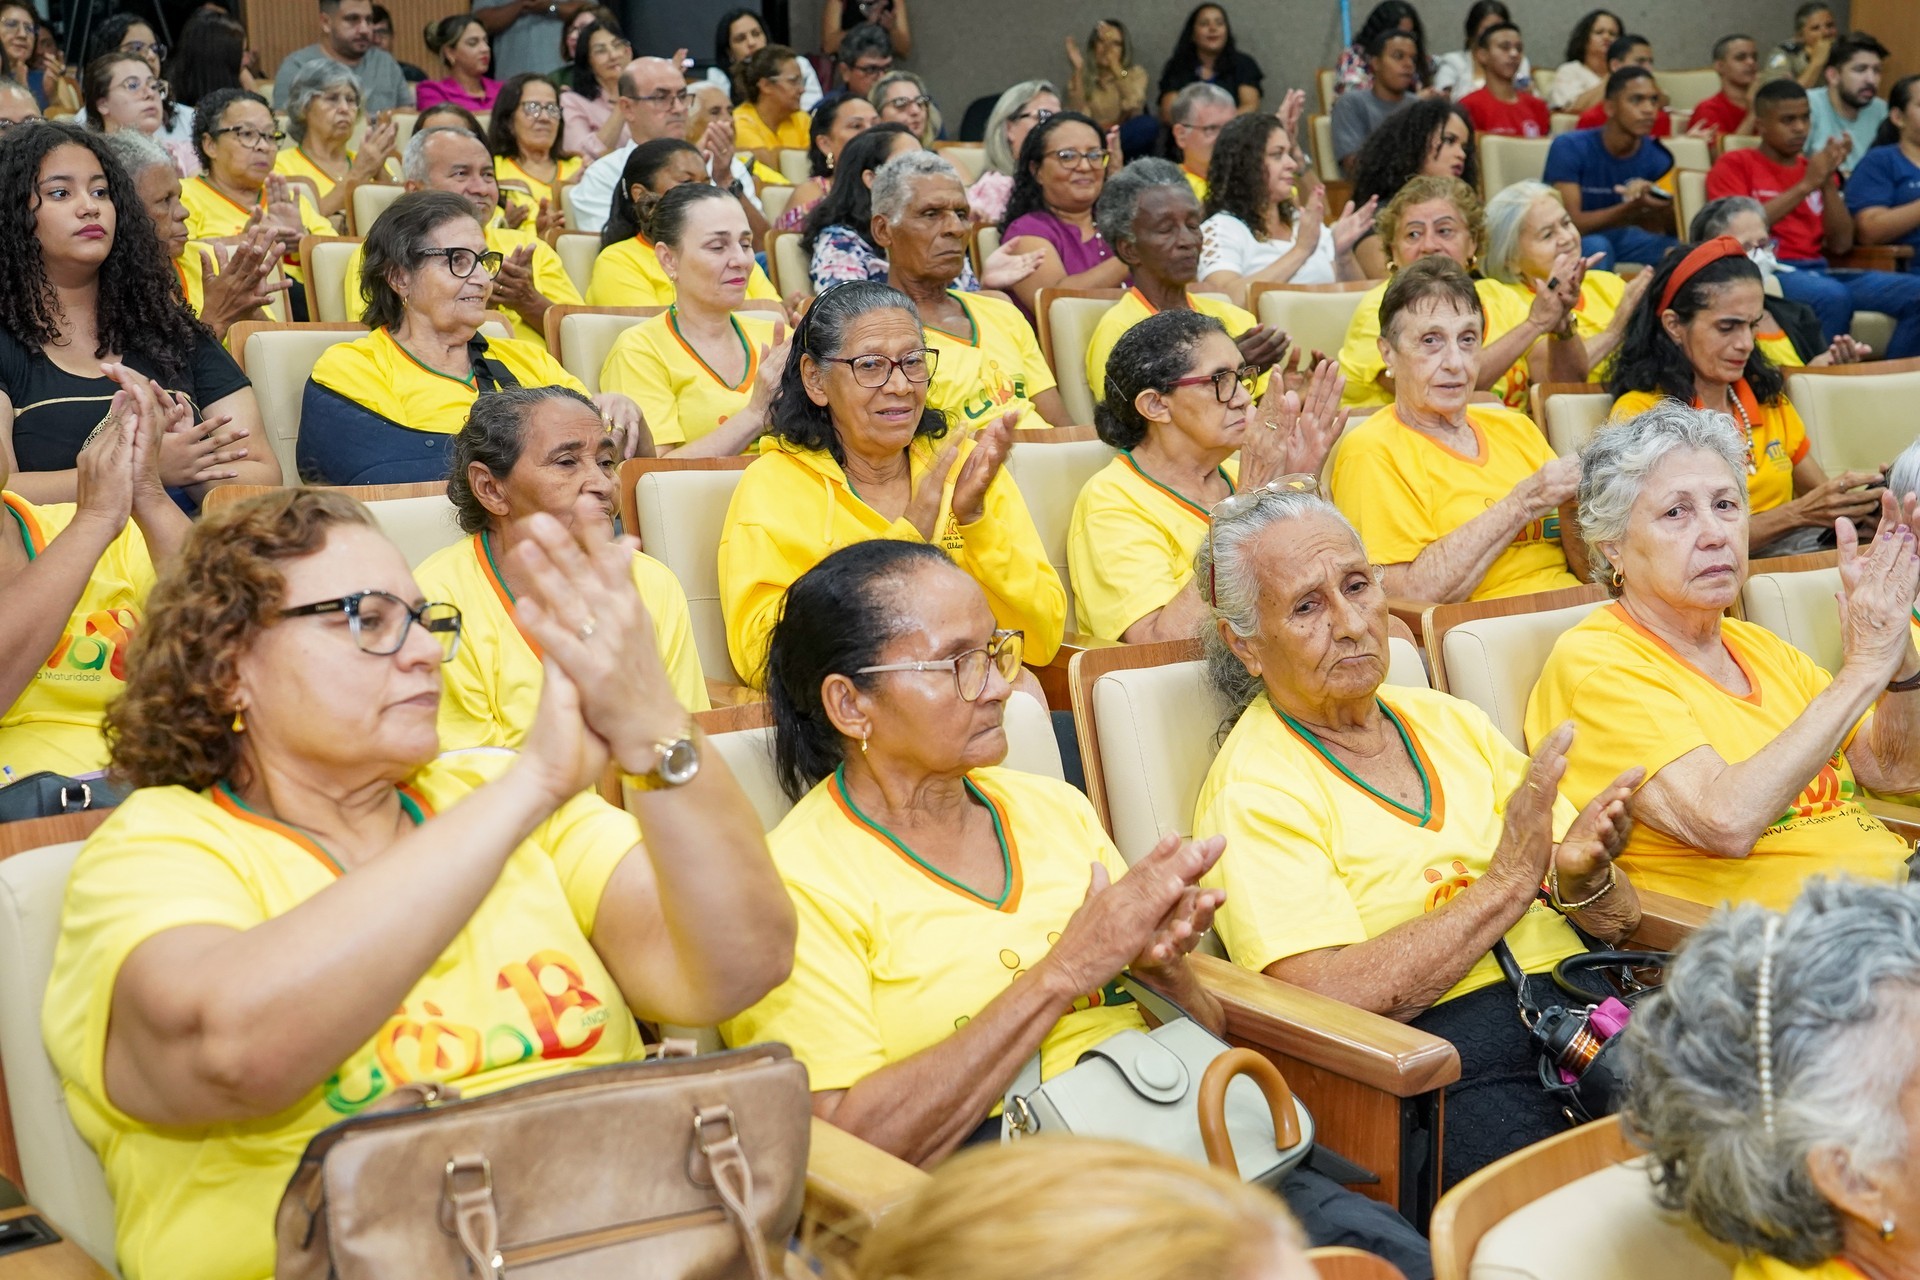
x: 1404, y: 491
x: 1132, y: 309
x: 55, y: 723
x: 492, y: 684
x: 1360, y: 359
x: 629, y: 274
x: 549, y: 277
x: 893, y: 957
x: 680, y: 394
x: 519, y: 994
x: 1776, y: 441
x: 1315, y: 858
x: 1130, y: 545
x: 507, y: 169
x: 1634, y: 701
x: 751, y: 132
x: 213, y: 216
x: 995, y: 369
x: 376, y: 371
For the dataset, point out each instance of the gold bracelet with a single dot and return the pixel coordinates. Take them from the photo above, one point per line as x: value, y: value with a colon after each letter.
x: 1553, y: 891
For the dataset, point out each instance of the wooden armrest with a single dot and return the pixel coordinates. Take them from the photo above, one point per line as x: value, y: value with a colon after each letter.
x: 1053, y: 676
x: 62, y: 1260
x: 1874, y: 257
x: 1901, y: 819
x: 1375, y: 1051
x: 850, y: 1186
x: 722, y: 694
x: 1411, y: 612
x: 1665, y: 921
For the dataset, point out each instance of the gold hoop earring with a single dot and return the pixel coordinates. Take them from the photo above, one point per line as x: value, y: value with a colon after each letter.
x: 1616, y: 579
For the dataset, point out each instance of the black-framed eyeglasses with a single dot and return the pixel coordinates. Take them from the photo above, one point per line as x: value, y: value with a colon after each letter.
x: 1238, y: 503
x: 661, y: 99
x: 379, y: 621
x: 871, y: 68
x: 535, y: 110
x: 1071, y: 159
x: 875, y: 371
x: 462, y: 261
x: 1002, y: 653
x: 249, y: 137
x: 135, y: 85
x: 901, y: 104
x: 1039, y: 115
x: 1223, y: 381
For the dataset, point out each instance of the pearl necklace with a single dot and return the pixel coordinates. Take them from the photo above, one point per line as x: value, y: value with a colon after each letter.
x: 1746, y: 424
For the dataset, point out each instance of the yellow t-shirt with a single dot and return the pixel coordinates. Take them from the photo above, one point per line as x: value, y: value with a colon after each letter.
x: 1315, y: 858
x: 893, y: 957
x: 187, y: 267
x: 492, y: 685
x: 520, y: 994
x: 55, y: 723
x: 212, y: 216
x: 1197, y: 181
x: 292, y: 162
x: 507, y: 169
x: 1404, y: 491
x: 1132, y: 309
x: 1634, y: 701
x: 681, y: 395
x: 1130, y: 546
x: 1762, y: 1268
x: 1779, y: 348
x: 751, y: 132
x: 793, y: 506
x: 1361, y: 361
x: 992, y: 370
x: 1776, y: 441
x: 549, y: 277
x: 628, y: 274
x: 1600, y: 297
x: 378, y: 372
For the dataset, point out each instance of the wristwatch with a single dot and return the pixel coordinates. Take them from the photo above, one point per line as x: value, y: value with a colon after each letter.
x: 676, y: 763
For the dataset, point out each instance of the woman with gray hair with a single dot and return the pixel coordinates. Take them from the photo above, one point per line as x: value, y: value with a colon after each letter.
x: 1381, y: 839
x: 1150, y: 216
x: 1755, y: 757
x: 903, y: 98
x: 323, y: 104
x: 1528, y: 232
x: 1773, y: 1082
x: 1027, y: 104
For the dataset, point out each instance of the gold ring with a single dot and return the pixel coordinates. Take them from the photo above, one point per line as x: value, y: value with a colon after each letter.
x: 586, y: 630
x: 1272, y: 425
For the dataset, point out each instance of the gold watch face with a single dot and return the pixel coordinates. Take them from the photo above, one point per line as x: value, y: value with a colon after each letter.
x: 679, y: 762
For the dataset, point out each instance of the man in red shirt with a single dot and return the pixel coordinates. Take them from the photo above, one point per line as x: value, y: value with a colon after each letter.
x: 1628, y: 51
x: 1800, y: 195
x: 1737, y: 60
x: 1498, y: 106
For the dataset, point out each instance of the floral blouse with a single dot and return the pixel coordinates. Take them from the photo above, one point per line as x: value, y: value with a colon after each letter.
x: 839, y: 255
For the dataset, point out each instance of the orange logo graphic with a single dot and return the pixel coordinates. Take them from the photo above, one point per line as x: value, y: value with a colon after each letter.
x: 1446, y: 881
x: 551, y: 988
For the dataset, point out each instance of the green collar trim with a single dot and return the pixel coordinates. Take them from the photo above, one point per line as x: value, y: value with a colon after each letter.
x: 1422, y: 815
x: 999, y: 834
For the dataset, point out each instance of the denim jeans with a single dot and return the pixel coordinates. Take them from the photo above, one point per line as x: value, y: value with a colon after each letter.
x: 1836, y: 295
x: 1626, y: 244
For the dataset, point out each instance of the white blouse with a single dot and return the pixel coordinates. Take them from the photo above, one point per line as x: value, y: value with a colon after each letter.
x: 1570, y: 80
x: 1228, y: 244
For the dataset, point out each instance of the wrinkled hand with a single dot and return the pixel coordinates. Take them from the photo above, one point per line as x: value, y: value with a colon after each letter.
x: 1351, y: 227
x: 513, y: 283
x: 991, y: 445
x: 717, y: 145
x: 376, y: 148
x: 1146, y: 914
x: 283, y: 211
x: 1263, y: 346
x: 1293, y: 432
x: 1841, y: 497
x: 1555, y: 297
x: 1004, y: 268
x: 1552, y: 485
x: 627, y: 424
x: 1526, y: 839
x: 1596, y: 837
x: 1877, y: 590
x: 243, y: 285
x: 773, y: 367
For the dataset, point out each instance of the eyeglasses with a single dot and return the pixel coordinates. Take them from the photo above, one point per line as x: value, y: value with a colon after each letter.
x: 379, y: 621
x: 660, y: 100
x: 1241, y: 503
x: 1204, y: 130
x: 135, y: 85
x: 18, y: 27
x: 792, y: 78
x: 462, y: 261
x: 871, y: 68
x: 875, y: 371
x: 901, y: 104
x: 621, y: 47
x: 1039, y: 115
x: 536, y: 110
x: 1223, y: 381
x: 1002, y: 653
x: 138, y: 47
x: 249, y: 137
x: 1070, y: 159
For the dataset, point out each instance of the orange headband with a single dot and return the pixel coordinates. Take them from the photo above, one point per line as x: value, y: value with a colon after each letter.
x: 1712, y: 251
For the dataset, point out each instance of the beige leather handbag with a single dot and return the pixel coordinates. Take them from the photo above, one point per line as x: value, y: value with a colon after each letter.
x: 675, y: 1168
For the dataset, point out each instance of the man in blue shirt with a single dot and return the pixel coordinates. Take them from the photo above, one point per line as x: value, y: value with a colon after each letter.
x: 1884, y: 191
x: 1609, y: 178
x: 1850, y: 102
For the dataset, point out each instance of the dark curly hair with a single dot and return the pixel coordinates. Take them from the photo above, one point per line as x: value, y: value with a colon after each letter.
x: 849, y: 201
x: 500, y: 139
x: 1151, y: 356
x: 1237, y: 174
x: 580, y: 77
x: 821, y: 335
x: 1026, y: 196
x: 173, y: 727
x: 1650, y: 360
x: 140, y: 310
x: 1396, y: 151
x: 1583, y: 31
x: 494, y: 436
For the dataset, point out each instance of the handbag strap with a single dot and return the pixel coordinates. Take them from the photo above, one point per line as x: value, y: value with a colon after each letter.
x: 476, y: 1220
x: 733, y: 1180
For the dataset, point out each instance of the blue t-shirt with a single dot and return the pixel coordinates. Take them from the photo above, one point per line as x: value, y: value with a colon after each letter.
x: 1885, y: 178
x: 1582, y: 158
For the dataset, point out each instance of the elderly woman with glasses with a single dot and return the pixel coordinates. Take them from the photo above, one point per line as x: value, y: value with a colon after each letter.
x: 1382, y: 839
x: 858, y: 454
x: 305, y: 907
x: 382, y: 409
x: 1455, y: 500
x: 1755, y: 756
x: 323, y: 105
x: 238, y: 144
x: 1014, y: 116
x: 1774, y: 1086
x: 1179, y: 407
x: 524, y: 137
x: 122, y: 92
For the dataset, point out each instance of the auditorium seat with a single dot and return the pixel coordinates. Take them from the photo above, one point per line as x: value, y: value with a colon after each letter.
x: 773, y: 203
x: 369, y: 201
x: 1857, y: 416
x: 577, y: 250
x: 417, y: 517
x: 795, y: 165
x: 1505, y: 161
x: 789, y: 263
x: 970, y: 158
x: 326, y: 258
x: 982, y: 245
x: 1686, y: 90
x: 1688, y: 152
x: 580, y: 337
x: 1326, y: 164
x: 1793, y: 597
x: 1738, y: 141
x: 1065, y: 320
x: 1568, y: 413
x: 1050, y: 468
x: 1689, y: 196
x: 1491, y: 652
x: 1315, y: 316
x: 678, y: 508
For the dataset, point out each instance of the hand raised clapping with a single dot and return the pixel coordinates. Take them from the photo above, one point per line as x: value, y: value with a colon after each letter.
x: 1878, y: 585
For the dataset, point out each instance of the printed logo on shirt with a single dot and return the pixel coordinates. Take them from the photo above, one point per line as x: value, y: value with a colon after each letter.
x: 1829, y: 790
x: 997, y: 390
x: 1545, y: 529
x: 1447, y: 881
x: 98, y: 652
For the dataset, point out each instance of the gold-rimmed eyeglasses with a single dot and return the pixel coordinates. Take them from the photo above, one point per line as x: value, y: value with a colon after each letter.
x: 1002, y: 653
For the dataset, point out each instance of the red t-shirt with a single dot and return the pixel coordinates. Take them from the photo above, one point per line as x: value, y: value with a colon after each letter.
x: 1596, y: 115
x: 1720, y: 112
x: 1746, y: 172
x: 1526, y: 117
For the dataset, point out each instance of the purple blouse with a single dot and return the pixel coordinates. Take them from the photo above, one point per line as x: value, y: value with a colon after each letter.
x: 1076, y: 255
x: 431, y: 93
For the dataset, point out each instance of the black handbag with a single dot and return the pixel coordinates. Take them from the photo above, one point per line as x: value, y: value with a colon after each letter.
x: 1575, y: 1036
x: 47, y: 795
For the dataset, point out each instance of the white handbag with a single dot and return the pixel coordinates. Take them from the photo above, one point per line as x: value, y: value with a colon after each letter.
x: 1178, y: 1088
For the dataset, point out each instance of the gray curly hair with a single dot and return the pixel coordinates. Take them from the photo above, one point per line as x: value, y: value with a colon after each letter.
x: 893, y: 181
x: 1903, y: 477
x: 315, y: 80
x: 1119, y: 201
x: 1845, y: 983
x: 1616, y: 463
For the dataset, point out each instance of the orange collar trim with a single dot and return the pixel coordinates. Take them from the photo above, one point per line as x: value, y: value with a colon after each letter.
x: 1753, y: 682
x: 483, y: 552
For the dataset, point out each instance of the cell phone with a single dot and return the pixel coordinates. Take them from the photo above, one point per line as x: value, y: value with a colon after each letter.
x: 1659, y: 194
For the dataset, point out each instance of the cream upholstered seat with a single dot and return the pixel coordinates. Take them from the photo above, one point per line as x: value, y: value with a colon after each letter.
x: 970, y: 158
x: 1505, y: 161
x: 789, y: 264
x: 370, y: 200
x: 1068, y: 318
x: 326, y: 260
x: 1856, y: 421
x: 1558, y: 122
x: 577, y: 250
x: 1689, y: 196
x: 417, y: 517
x: 795, y: 166
x: 1797, y: 607
x: 1686, y: 90
x: 1315, y: 316
x: 62, y: 1175
x: 1050, y: 475
x: 1326, y: 164
x: 1689, y: 152
x: 985, y: 243
x: 1738, y: 142
x: 278, y: 359
x: 679, y: 513
x: 1570, y: 413
x: 1494, y: 660
x: 773, y: 203
x: 581, y: 337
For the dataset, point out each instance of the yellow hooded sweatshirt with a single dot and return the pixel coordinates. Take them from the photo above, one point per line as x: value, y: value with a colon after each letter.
x: 794, y: 506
